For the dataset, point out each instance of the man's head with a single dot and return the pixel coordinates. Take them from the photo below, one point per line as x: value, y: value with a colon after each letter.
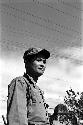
x: 60, y: 112
x: 35, y: 61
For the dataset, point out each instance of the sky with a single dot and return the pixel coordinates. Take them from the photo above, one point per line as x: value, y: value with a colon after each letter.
x: 52, y: 24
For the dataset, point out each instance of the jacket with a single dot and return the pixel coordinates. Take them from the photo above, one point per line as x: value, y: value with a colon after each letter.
x: 25, y: 104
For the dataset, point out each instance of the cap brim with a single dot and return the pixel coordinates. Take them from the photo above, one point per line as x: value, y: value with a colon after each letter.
x: 45, y: 53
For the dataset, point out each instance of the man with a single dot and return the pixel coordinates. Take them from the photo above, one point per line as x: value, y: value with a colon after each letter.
x: 26, y: 104
x: 59, y: 117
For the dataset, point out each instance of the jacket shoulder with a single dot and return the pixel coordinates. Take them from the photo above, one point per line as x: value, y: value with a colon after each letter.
x: 18, y: 81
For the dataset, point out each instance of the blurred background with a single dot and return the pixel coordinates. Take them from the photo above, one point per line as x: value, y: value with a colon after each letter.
x: 52, y: 24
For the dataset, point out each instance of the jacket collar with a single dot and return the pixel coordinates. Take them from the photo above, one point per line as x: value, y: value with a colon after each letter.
x: 30, y: 79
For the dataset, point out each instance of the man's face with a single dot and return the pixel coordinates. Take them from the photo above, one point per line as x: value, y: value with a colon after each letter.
x: 38, y: 65
x: 61, y: 117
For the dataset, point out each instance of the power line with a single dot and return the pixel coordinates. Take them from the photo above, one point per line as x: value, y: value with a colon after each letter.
x: 47, y: 20
x: 58, y: 10
x: 39, y: 24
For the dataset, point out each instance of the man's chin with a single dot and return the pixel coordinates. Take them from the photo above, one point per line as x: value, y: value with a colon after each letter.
x: 40, y: 73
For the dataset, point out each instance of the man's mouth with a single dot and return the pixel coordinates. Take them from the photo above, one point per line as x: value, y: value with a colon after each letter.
x: 42, y: 69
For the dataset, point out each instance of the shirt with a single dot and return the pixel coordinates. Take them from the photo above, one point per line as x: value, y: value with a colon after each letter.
x: 26, y: 102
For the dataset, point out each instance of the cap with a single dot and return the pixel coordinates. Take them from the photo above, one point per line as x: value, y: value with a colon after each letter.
x: 35, y: 51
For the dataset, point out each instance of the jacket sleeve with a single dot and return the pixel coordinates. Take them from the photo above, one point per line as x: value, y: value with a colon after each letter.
x: 17, y: 103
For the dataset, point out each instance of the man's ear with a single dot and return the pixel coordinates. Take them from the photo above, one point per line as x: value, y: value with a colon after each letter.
x: 27, y: 63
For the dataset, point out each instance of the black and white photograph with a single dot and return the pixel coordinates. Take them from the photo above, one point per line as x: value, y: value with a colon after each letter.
x: 41, y: 62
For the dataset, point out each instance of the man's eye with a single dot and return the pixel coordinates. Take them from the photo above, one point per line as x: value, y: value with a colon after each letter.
x: 39, y: 59
x: 44, y: 61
